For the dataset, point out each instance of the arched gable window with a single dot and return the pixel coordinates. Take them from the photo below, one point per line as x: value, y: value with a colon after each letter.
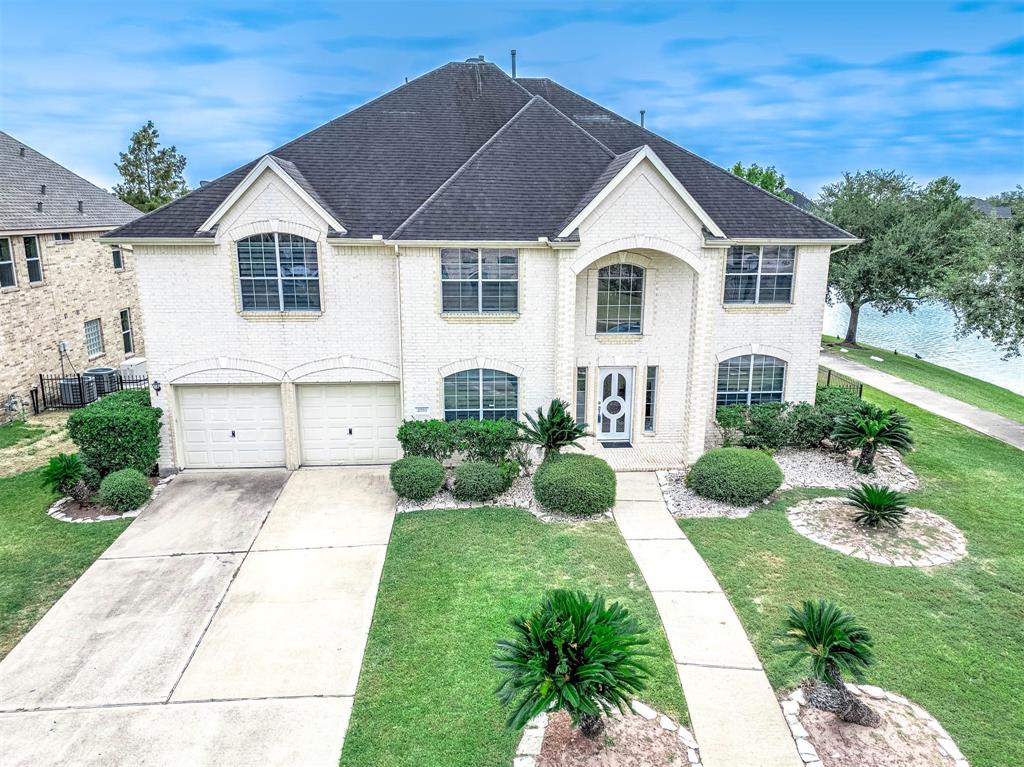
x: 278, y: 273
x: 481, y: 393
x: 751, y: 379
x: 620, y: 298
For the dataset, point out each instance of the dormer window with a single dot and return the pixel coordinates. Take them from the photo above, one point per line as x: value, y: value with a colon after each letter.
x: 278, y: 273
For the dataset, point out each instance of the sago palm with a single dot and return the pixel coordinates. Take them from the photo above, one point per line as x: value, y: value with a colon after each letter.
x: 573, y: 653
x: 553, y: 430
x: 871, y: 430
x: 879, y: 505
x: 830, y: 638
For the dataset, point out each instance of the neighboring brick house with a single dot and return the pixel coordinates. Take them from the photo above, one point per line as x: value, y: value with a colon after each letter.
x: 471, y: 245
x: 58, y: 283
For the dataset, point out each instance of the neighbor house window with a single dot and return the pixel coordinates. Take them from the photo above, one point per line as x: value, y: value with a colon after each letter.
x: 278, y: 273
x: 759, y: 274
x: 620, y: 298
x: 481, y: 393
x: 32, y: 260
x: 7, y: 277
x: 581, y: 395
x: 751, y: 379
x: 650, y: 397
x: 479, y: 280
x: 126, y: 331
x: 118, y: 258
x: 93, y: 338
x: 62, y: 237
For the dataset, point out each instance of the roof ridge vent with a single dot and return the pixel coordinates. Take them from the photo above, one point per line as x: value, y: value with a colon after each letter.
x: 80, y: 206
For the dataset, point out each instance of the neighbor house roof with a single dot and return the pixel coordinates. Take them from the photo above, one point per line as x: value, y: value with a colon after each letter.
x: 467, y: 153
x: 23, y: 174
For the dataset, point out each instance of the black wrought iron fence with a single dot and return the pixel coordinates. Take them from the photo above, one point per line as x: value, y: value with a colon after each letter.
x: 829, y: 377
x: 70, y: 392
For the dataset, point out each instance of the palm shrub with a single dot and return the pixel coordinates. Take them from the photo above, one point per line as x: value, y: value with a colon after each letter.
x: 879, y: 505
x: 870, y: 430
x: 830, y: 639
x: 64, y: 474
x: 553, y: 430
x: 573, y: 653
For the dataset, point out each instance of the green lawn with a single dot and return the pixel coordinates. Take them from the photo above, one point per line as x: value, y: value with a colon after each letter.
x: 39, y: 556
x: 943, y: 380
x: 950, y: 638
x: 451, y: 582
x: 18, y: 431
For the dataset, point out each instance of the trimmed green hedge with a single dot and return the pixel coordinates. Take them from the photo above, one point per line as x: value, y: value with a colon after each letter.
x: 416, y: 477
x: 432, y: 439
x: 478, y: 481
x: 575, y: 484
x: 490, y: 441
x: 125, y: 490
x: 119, y: 431
x: 735, y: 475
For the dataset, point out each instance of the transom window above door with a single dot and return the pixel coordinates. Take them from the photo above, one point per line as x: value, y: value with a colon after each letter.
x: 481, y: 393
x: 278, y: 273
x: 751, y: 379
x: 759, y: 274
x: 620, y: 298
x: 479, y: 280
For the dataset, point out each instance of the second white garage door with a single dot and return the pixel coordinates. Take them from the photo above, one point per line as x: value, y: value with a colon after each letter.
x: 231, y: 426
x: 349, y: 423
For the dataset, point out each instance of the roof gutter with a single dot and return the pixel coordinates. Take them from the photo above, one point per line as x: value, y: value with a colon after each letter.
x: 157, y: 241
x: 715, y: 242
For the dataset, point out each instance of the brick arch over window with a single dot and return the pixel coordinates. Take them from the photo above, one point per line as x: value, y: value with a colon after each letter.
x: 283, y: 226
x: 773, y: 351
x: 640, y: 242
x: 481, y: 362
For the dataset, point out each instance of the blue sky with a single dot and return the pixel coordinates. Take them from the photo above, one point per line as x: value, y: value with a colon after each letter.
x: 930, y: 88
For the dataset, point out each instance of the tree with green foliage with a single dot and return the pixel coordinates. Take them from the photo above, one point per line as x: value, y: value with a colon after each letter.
x: 768, y: 178
x: 151, y: 174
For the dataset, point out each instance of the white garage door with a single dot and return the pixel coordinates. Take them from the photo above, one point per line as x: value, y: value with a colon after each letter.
x: 349, y: 423
x: 229, y: 426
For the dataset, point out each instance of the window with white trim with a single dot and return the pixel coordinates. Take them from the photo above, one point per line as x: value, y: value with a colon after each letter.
x: 650, y: 397
x: 126, y: 331
x: 8, y: 278
x: 62, y: 237
x: 278, y: 273
x: 32, y: 260
x: 481, y: 393
x: 750, y: 380
x: 479, y: 280
x: 620, y: 298
x: 759, y: 274
x: 581, y: 395
x: 118, y: 257
x: 93, y: 338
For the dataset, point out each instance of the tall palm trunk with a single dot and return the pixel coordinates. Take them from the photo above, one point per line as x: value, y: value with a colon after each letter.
x: 866, y: 461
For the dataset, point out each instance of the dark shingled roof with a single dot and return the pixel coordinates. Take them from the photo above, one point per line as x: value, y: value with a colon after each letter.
x: 467, y: 153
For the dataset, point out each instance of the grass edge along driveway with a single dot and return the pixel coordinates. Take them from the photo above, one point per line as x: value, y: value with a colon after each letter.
x: 950, y: 638
x: 451, y: 581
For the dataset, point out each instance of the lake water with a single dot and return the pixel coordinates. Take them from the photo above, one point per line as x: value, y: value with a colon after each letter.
x: 929, y: 331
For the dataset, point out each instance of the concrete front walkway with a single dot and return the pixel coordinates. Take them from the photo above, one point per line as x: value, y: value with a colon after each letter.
x: 735, y: 715
x: 1000, y: 427
x: 226, y: 626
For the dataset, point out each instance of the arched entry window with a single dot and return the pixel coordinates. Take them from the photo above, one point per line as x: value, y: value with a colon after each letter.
x: 751, y: 379
x: 620, y: 298
x: 481, y: 393
x: 278, y: 273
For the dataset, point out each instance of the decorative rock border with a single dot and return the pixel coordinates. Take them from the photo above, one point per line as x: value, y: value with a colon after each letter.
x: 533, y: 736
x: 56, y: 510
x: 792, y: 704
x: 952, y: 550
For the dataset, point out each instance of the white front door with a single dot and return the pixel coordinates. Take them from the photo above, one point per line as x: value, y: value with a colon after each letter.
x: 615, y: 404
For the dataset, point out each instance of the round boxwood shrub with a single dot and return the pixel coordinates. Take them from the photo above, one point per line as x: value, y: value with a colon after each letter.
x: 125, y: 490
x: 478, y: 481
x: 417, y: 477
x: 575, y: 484
x: 735, y: 475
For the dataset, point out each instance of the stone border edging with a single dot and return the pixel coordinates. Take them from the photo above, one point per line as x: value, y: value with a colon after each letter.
x: 56, y: 508
x: 792, y: 704
x: 530, y: 744
x: 927, y: 558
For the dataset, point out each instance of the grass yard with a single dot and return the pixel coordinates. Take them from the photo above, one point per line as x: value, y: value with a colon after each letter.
x: 950, y: 638
x: 943, y: 380
x: 451, y: 582
x: 39, y: 557
x: 18, y: 432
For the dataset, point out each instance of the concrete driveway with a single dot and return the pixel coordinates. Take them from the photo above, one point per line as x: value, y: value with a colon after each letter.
x: 226, y: 626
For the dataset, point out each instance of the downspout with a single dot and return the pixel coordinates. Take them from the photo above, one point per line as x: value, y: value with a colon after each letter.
x: 401, y: 330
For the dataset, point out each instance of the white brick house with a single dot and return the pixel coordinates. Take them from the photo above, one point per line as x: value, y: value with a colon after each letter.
x: 470, y: 245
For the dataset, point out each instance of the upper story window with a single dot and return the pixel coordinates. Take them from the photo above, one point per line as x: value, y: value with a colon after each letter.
x: 118, y: 257
x: 751, y: 379
x: 32, y: 259
x: 759, y: 274
x: 620, y: 298
x: 479, y: 280
x: 481, y: 393
x: 62, y: 237
x: 278, y: 273
x: 8, y: 279
x: 126, y: 331
x: 93, y: 338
